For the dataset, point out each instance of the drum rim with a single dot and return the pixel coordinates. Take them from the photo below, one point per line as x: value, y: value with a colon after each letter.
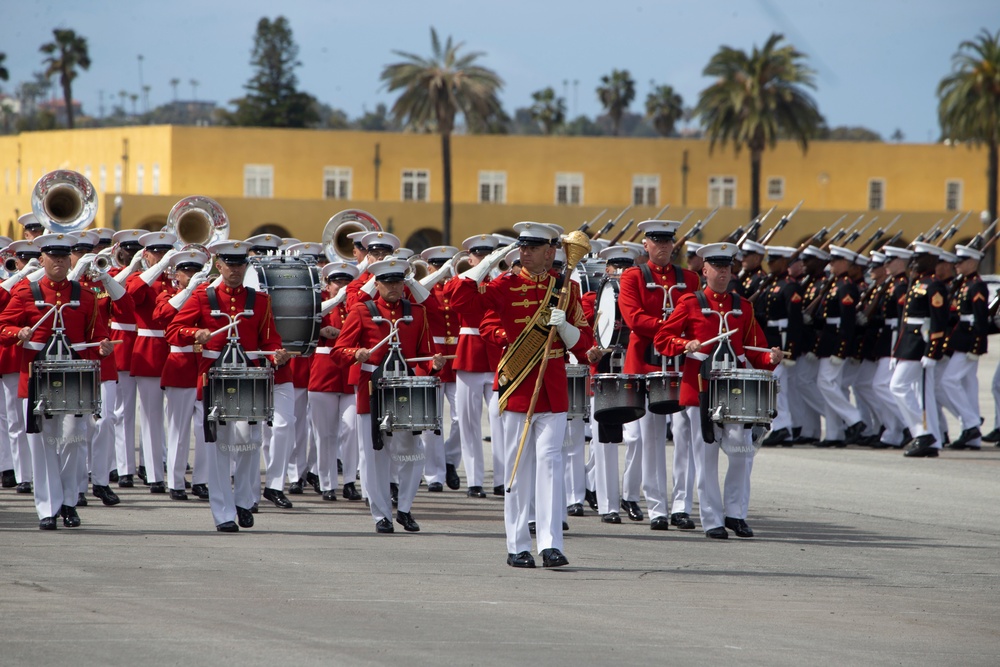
x: 740, y: 373
x: 410, y: 381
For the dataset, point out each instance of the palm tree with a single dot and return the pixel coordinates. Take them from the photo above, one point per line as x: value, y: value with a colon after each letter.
x: 434, y: 90
x: 548, y: 110
x: 67, y: 53
x: 969, y: 107
x: 173, y: 84
x: 664, y: 107
x: 4, y: 74
x: 616, y: 92
x: 756, y: 99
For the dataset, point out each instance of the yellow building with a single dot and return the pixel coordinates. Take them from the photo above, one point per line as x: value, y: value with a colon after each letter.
x: 293, y: 181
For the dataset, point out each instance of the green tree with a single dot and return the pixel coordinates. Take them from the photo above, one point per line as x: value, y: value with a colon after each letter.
x: 756, y: 99
x: 969, y: 103
x: 273, y: 98
x: 548, y: 110
x: 65, y: 54
x: 434, y: 90
x: 616, y: 93
x: 4, y: 74
x: 664, y: 107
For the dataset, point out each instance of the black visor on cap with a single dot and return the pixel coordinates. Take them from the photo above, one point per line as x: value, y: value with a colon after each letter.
x: 437, y: 262
x: 131, y: 245
x: 234, y: 260
x: 390, y: 278
x: 57, y: 251
x: 33, y: 227
x: 339, y: 276
x: 621, y: 261
x: 532, y: 241
x: 719, y: 260
x: 481, y: 249
x: 190, y: 266
x: 28, y: 254
x: 161, y: 247
x: 660, y: 236
x: 83, y: 247
x: 380, y: 246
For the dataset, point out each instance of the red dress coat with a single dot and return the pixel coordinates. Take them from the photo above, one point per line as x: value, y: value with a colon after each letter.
x: 183, y: 362
x: 151, y: 347
x: 329, y: 373
x: 123, y: 329
x: 474, y: 353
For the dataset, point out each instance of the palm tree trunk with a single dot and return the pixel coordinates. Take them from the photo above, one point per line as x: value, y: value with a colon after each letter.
x: 755, y: 159
x: 991, y: 198
x: 446, y: 168
x: 68, y: 99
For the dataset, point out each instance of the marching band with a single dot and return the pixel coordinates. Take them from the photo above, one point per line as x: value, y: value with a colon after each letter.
x: 331, y: 362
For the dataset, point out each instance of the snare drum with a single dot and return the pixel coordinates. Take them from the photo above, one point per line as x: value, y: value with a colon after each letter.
x: 578, y: 379
x: 239, y: 393
x: 66, y: 387
x: 410, y: 403
x: 296, y: 293
x: 619, y: 398
x: 664, y: 391
x: 742, y: 395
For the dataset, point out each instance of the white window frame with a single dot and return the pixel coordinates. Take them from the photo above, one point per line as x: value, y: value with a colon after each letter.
x: 876, y: 189
x: 569, y: 188
x: 779, y: 188
x: 722, y: 191
x: 419, y: 183
x: 959, y: 186
x: 492, y: 187
x: 118, y: 178
x: 342, y: 179
x: 140, y: 178
x: 102, y: 175
x: 258, y: 181
x: 646, y: 189
x: 156, y: 179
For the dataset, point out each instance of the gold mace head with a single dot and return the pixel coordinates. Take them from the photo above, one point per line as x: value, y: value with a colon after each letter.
x: 577, y: 245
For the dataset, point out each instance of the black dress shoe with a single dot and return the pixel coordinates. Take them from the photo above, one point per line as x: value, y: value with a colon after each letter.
x: 295, y: 488
x: 682, y: 520
x: 659, y: 523
x: 24, y: 487
x: 853, y: 433
x: 631, y: 507
x: 253, y: 508
x: 158, y: 487
x: 330, y: 495
x: 69, y: 516
x: 125, y: 482
x: 451, y: 477
x: 992, y: 436
x: 805, y: 440
x: 435, y: 487
x: 48, y: 523
x: 141, y: 474
x: 405, y: 519
x: 178, y: 494
x: 228, y: 527
x: 775, y: 438
x: 565, y: 526
x: 107, y: 496
x: 384, y: 526
x: 590, y: 497
x: 81, y: 500
x: 340, y: 467
x: 922, y: 446
x: 522, y: 559
x: 244, y: 517
x: 531, y: 527
x: 498, y: 490
x: 113, y: 476
x: 962, y: 441
x: 9, y: 479
x: 312, y: 479
x: 350, y: 493
x: 738, y: 526
x: 200, y: 490
x: 553, y: 558
x: 278, y: 498
x: 394, y: 493
x: 476, y: 492
x: 576, y: 509
x: 611, y: 517
x: 829, y: 443
x: 719, y: 533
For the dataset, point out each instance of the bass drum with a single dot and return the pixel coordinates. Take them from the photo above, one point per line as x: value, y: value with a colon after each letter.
x: 611, y: 329
x: 296, y: 297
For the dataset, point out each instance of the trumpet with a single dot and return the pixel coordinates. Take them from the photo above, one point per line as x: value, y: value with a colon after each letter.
x: 421, y: 269
x: 64, y: 201
x: 336, y: 243
x: 9, y: 263
x: 462, y: 263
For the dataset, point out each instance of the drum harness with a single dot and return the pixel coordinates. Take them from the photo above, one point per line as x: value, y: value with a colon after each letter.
x: 393, y: 365
x: 652, y: 357
x: 723, y: 357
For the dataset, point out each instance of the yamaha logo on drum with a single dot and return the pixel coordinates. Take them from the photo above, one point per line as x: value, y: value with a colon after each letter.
x: 230, y: 390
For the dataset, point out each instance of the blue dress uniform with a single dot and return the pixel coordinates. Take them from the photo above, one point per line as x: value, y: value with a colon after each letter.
x: 779, y: 313
x: 891, y: 297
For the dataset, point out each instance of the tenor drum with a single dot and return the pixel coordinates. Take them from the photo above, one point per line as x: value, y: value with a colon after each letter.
x: 589, y: 273
x: 611, y: 328
x: 296, y: 293
x: 66, y: 387
x: 619, y: 398
x: 578, y: 378
x: 664, y: 391
x: 410, y: 403
x: 240, y: 393
x: 742, y: 395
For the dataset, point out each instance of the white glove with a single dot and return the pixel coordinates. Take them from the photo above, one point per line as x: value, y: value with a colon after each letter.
x: 81, y: 267
x: 481, y: 270
x: 417, y: 291
x: 557, y: 317
x: 927, y: 362
x: 807, y: 318
x: 198, y: 279
x: 788, y: 362
x: 836, y: 361
x: 330, y: 304
x: 569, y: 333
x: 862, y: 319
x: 150, y: 275
x: 432, y: 279
x: 127, y: 271
x: 36, y: 275
x: 892, y: 364
x: 17, y: 276
x: 971, y: 357
x: 114, y: 289
x: 363, y: 265
x: 369, y: 287
x: 811, y: 356
x: 181, y: 297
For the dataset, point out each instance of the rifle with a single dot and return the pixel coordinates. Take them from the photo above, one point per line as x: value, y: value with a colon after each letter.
x: 853, y: 236
x: 923, y: 236
x: 603, y: 230
x: 877, y: 235
x: 660, y: 212
x: 586, y: 225
x: 698, y: 226
x: 620, y: 234
x: 781, y: 224
x: 841, y: 233
x: 754, y: 226
x: 766, y: 282
x: 980, y: 238
x: 953, y: 230
x: 895, y: 237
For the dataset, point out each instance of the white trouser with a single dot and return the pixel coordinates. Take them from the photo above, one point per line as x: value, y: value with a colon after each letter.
x: 808, y: 394
x: 440, y: 450
x: 606, y: 476
x: 125, y: 424
x: 995, y: 389
x: 861, y: 382
x: 539, y: 478
x: 14, y: 407
x: 784, y: 417
x: 237, y: 452
x: 403, y: 448
x: 102, y: 458
x: 684, y: 466
x: 56, y: 453
x: 713, y: 506
x: 960, y: 383
x: 282, y: 436
x: 828, y: 379
x: 590, y: 466
x: 497, y: 440
x: 6, y: 443
x: 887, y: 408
x: 913, y: 388
x: 472, y: 390
x: 153, y: 435
x: 185, y: 413
x: 575, y: 465
x: 334, y: 418
x: 646, y: 441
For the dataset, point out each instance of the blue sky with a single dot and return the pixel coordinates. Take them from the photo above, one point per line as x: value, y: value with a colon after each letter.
x: 878, y: 62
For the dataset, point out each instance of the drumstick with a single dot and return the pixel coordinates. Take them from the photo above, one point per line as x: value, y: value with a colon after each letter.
x: 719, y: 337
x: 225, y: 328
x: 270, y: 352
x: 763, y: 349
x: 383, y: 341
x: 81, y: 346
x: 413, y: 360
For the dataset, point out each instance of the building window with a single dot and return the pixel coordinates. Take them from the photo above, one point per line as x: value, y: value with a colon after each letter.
x: 118, y: 178
x: 952, y: 195
x: 140, y: 177
x: 258, y: 180
x: 722, y: 191
x: 88, y: 174
x: 645, y: 188
x: 103, y: 177
x: 876, y: 194
x: 569, y: 188
x: 493, y: 187
x: 416, y: 183
x: 336, y: 182
x: 156, y: 179
x: 776, y: 188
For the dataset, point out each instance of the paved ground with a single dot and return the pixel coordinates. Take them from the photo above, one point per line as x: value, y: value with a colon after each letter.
x: 862, y: 558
